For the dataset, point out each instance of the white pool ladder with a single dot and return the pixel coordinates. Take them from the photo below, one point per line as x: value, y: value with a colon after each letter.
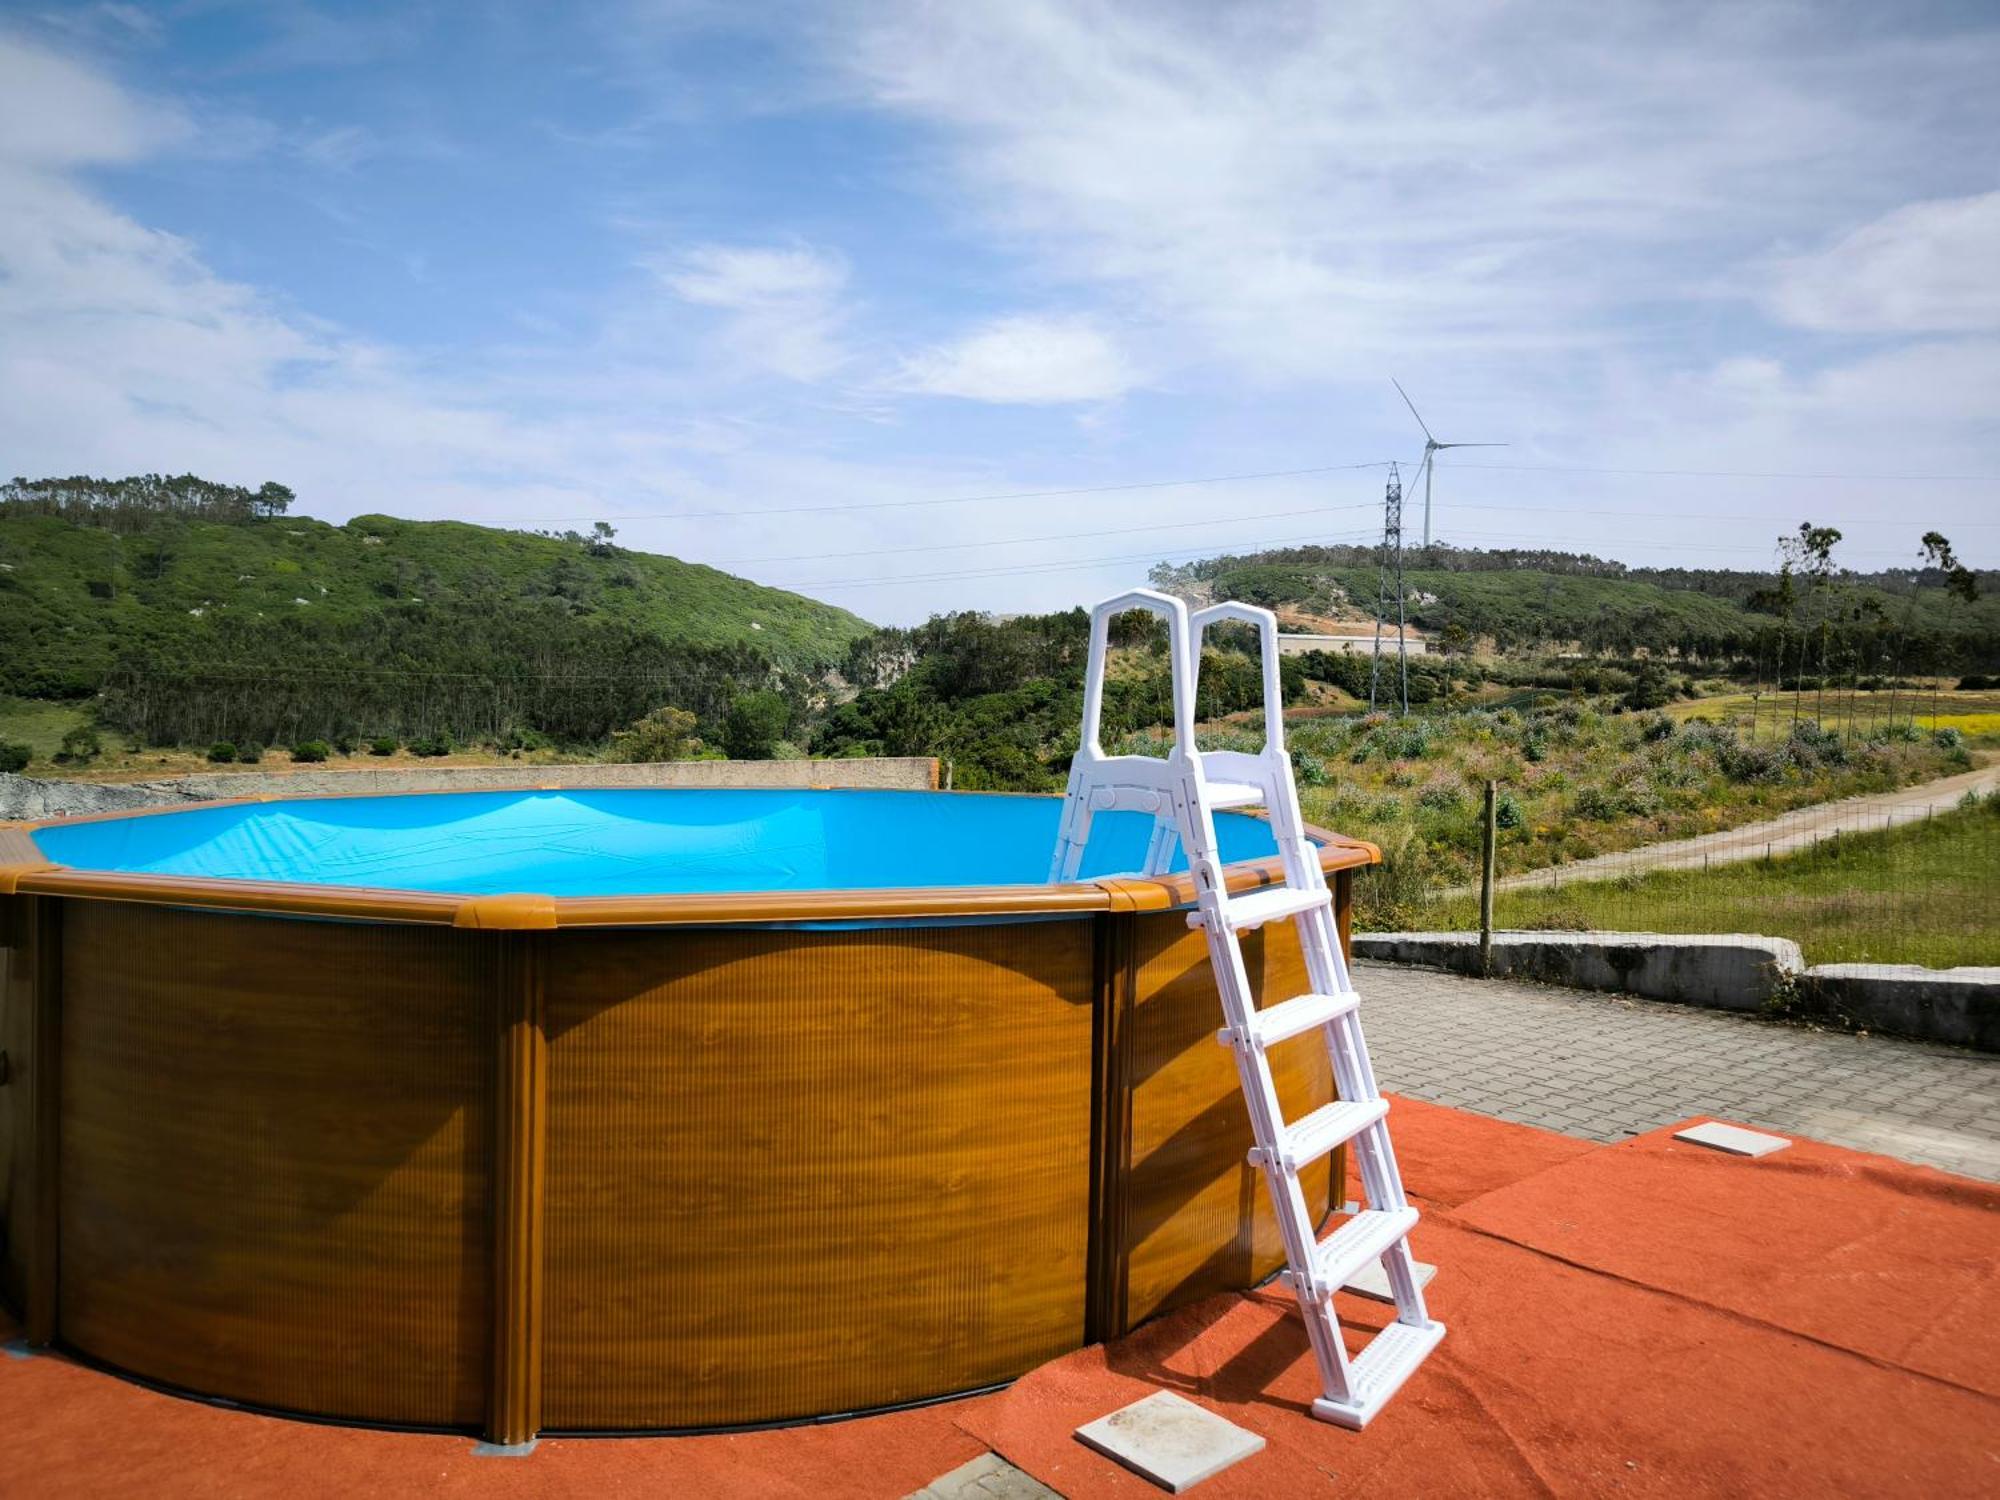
x: 1182, y: 792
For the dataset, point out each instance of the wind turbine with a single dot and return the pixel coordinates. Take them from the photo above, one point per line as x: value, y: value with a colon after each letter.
x: 1431, y: 446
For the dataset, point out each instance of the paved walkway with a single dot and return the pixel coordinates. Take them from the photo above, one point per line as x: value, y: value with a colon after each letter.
x: 1782, y: 835
x: 1603, y: 1068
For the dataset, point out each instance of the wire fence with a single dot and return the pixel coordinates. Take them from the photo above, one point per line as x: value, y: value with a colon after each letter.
x: 1917, y: 883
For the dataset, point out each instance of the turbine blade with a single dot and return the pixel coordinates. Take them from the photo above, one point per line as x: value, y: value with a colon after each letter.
x: 1472, y: 445
x: 1412, y: 406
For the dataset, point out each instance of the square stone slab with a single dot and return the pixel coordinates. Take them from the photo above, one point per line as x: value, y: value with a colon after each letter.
x: 1372, y: 1282
x: 1732, y: 1138
x: 1169, y: 1440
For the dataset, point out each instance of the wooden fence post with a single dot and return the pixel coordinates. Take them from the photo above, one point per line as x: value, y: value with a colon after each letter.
x: 1489, y: 835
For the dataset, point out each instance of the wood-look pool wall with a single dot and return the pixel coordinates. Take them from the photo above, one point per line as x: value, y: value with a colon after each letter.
x: 616, y: 1179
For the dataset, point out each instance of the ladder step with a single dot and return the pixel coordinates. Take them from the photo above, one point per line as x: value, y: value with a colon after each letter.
x: 1308, y: 1139
x: 1279, y: 901
x: 1379, y: 1371
x: 1290, y: 1018
x: 1233, y: 794
x: 1365, y: 1237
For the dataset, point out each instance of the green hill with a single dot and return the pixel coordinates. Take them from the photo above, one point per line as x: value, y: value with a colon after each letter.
x: 77, y: 595
x: 1524, y: 600
x: 191, y: 613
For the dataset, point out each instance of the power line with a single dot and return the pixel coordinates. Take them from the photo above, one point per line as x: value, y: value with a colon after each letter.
x: 1737, y: 474
x: 1062, y: 567
x: 1094, y: 489
x: 1159, y: 484
x: 1067, y: 536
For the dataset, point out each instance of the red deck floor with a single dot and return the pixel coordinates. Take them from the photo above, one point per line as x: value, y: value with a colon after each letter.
x: 1644, y: 1319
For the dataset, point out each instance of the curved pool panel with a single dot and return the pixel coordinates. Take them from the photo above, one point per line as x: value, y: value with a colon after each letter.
x: 616, y: 1111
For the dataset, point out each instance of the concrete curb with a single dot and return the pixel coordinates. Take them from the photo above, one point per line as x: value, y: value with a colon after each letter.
x: 1960, y: 1006
x: 1732, y: 971
x: 1724, y: 971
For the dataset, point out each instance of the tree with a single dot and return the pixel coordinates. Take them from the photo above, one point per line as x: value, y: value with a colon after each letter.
x: 667, y: 733
x: 271, y: 499
x: 79, y: 744
x: 756, y: 722
x: 601, y: 533
x: 1811, y: 551
x: 1959, y: 583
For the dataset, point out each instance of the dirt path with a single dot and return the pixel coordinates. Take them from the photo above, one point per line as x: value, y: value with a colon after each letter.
x: 1782, y: 835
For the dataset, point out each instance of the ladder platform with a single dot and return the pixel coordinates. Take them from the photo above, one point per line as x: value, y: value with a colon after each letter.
x: 1241, y: 913
x: 1315, y: 1135
x: 1379, y: 1371
x: 1366, y: 1236
x: 1290, y: 1018
x: 1234, y: 794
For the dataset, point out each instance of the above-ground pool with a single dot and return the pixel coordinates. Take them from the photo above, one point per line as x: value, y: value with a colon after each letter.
x: 617, y: 1111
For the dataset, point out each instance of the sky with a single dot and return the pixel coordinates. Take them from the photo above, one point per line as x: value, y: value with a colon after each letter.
x: 918, y: 307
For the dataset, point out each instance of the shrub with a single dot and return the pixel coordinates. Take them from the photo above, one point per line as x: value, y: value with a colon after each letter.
x: 431, y: 745
x: 1949, y: 738
x: 1596, y: 802
x: 1974, y: 683
x: 1638, y: 797
x: 514, y: 741
x: 250, y: 754
x: 667, y: 733
x: 80, y: 743
x: 1440, y: 794
x: 1652, y: 688
x: 1811, y: 745
x: 1656, y: 727
x: 1308, y: 768
x: 311, y: 751
x: 1750, y: 762
x: 1507, y: 812
x: 14, y: 757
x: 382, y: 745
x: 222, y: 752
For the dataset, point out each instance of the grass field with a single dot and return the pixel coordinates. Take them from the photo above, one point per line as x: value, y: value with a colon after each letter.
x: 1926, y: 893
x: 1975, y: 715
x: 38, y: 723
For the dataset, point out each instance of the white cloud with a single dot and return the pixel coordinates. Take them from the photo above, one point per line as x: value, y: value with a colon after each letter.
x: 57, y: 114
x: 1024, y: 361
x: 752, y: 278
x: 1924, y: 268
x: 1277, y: 189
x: 783, y: 304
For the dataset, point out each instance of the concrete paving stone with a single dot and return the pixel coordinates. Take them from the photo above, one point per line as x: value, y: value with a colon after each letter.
x: 987, y: 1477
x: 1602, y: 1067
x: 1733, y: 1139
x: 1170, y: 1440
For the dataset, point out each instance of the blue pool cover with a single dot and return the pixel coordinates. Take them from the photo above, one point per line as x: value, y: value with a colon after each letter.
x: 623, y: 843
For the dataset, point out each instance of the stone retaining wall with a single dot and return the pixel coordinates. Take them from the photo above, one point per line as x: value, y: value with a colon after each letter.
x: 26, y: 798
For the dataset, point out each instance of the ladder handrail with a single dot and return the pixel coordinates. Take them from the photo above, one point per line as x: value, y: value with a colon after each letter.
x: 1174, y: 612
x: 1266, y: 625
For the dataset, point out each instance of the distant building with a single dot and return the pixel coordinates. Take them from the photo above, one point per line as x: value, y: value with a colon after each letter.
x: 1360, y: 639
